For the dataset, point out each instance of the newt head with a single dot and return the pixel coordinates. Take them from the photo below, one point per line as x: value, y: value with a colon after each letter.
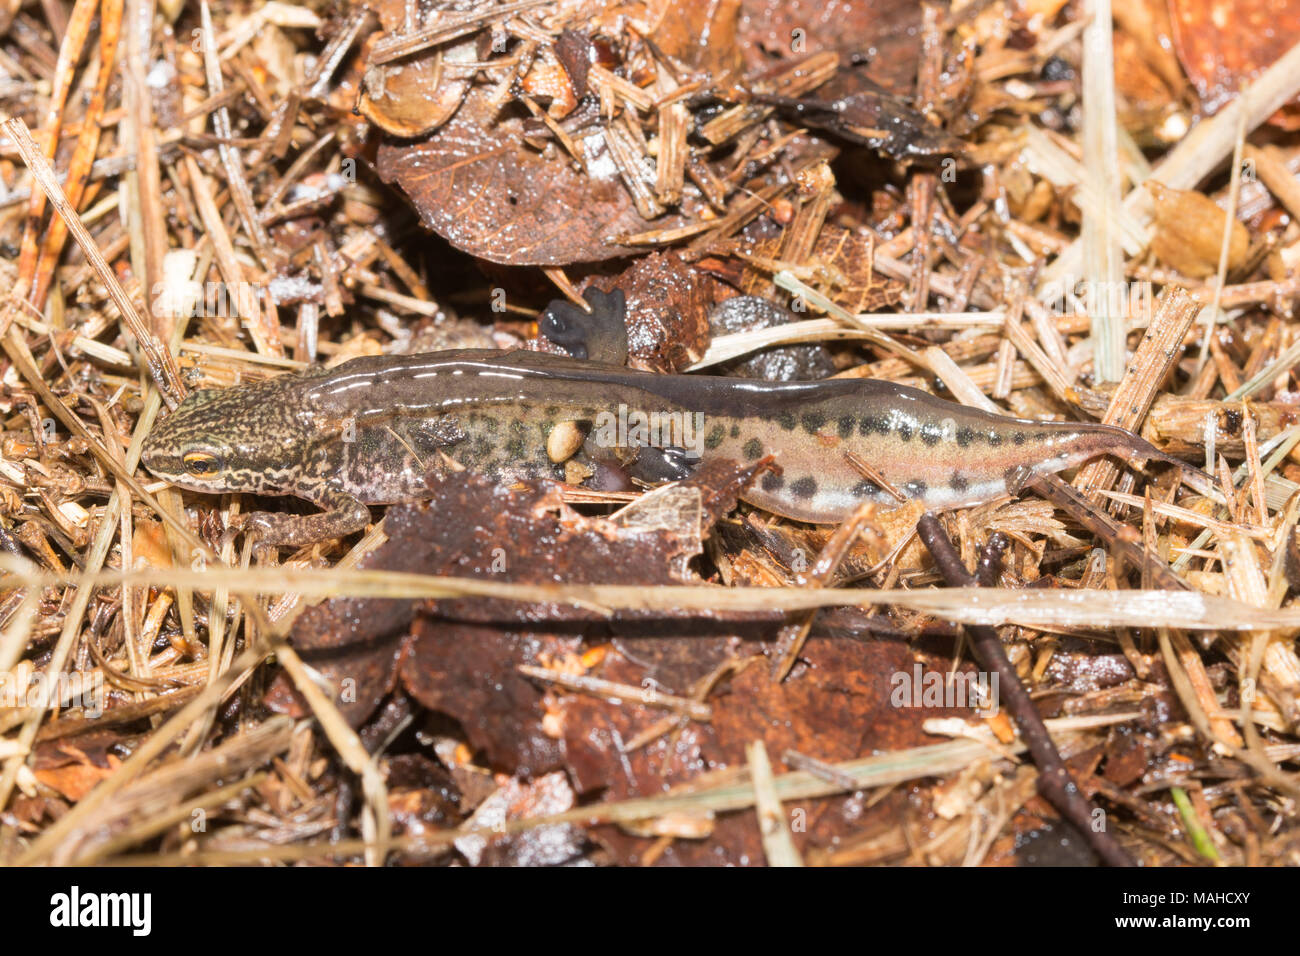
x: 236, y: 439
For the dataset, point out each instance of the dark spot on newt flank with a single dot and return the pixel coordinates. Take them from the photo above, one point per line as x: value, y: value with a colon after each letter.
x: 866, y: 489
x: 917, y: 488
x: 552, y: 411
x: 1018, y: 438
x: 804, y: 487
x: 871, y: 424
x: 931, y: 433
x: 491, y: 424
x: 995, y: 438
x: 959, y: 484
x: 813, y: 421
x: 753, y: 449
x: 773, y: 482
x: 904, y: 431
x: 965, y: 435
x: 515, y: 448
x: 787, y: 421
x: 845, y: 426
x: 1232, y: 421
x: 715, y: 437
x: 735, y: 431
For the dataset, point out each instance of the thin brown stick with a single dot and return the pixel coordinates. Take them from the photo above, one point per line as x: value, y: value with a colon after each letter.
x: 1054, y: 781
x: 161, y: 365
x: 70, y: 49
x: 83, y: 158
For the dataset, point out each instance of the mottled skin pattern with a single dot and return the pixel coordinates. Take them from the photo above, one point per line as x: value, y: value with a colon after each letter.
x: 375, y: 430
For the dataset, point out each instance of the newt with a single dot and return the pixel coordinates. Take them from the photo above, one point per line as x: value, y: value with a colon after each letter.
x: 379, y: 429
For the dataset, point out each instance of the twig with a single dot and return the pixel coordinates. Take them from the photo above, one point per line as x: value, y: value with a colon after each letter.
x: 794, y: 635
x: 240, y: 194
x: 1207, y: 145
x: 142, y: 186
x: 84, y: 157
x: 777, y: 841
x: 1118, y: 538
x: 1103, y: 259
x: 1054, y: 781
x: 161, y: 365
x: 74, y: 40
x: 613, y: 690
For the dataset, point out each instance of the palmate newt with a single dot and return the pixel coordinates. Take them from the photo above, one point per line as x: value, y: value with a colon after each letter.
x: 377, y: 430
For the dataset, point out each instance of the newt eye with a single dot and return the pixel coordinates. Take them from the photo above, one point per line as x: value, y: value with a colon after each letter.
x: 201, y: 464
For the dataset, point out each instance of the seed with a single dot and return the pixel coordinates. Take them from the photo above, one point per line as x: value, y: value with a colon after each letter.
x: 563, y: 441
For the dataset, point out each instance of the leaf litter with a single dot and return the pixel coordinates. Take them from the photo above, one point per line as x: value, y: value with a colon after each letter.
x: 546, y: 675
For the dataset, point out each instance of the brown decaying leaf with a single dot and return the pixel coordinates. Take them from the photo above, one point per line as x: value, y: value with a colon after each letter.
x: 418, y: 95
x: 839, y: 704
x: 525, y: 535
x: 1189, y: 232
x: 478, y: 185
x: 470, y: 672
x: 884, y: 30
x: 1224, y: 44
x: 73, y: 772
x: 702, y: 36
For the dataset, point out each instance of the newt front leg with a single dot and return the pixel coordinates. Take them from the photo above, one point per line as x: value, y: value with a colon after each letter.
x: 344, y: 514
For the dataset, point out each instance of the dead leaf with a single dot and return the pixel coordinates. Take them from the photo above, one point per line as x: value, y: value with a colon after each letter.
x: 1188, y: 232
x: 76, y: 779
x: 477, y: 184
x: 1224, y: 44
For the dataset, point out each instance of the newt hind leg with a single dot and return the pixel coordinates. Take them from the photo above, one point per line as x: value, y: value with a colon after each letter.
x: 599, y: 336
